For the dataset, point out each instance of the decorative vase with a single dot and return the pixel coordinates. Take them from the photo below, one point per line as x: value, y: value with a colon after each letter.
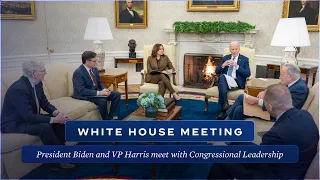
x: 151, y: 112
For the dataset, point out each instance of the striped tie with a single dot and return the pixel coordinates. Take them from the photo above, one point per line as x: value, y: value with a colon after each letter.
x: 230, y: 69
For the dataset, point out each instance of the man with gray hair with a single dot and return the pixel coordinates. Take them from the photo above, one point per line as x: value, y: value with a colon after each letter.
x: 289, y: 76
x: 233, y: 66
x: 292, y: 127
x: 21, y: 110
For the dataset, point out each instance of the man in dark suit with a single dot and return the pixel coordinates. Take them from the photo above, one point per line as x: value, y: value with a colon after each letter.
x: 307, y: 12
x: 128, y: 15
x: 289, y: 76
x: 87, y: 86
x: 292, y: 127
x: 236, y: 66
x: 21, y: 110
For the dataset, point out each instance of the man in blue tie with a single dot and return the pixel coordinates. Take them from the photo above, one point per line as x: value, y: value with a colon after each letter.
x: 236, y: 66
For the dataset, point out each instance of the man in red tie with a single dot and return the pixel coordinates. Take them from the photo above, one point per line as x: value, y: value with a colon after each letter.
x: 87, y: 86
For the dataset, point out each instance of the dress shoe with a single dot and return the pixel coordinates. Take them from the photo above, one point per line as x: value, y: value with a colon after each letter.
x: 225, y: 106
x: 62, y: 167
x: 222, y: 116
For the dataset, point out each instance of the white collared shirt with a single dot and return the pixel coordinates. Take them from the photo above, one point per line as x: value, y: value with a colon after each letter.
x: 292, y: 83
x: 289, y: 85
x: 131, y: 12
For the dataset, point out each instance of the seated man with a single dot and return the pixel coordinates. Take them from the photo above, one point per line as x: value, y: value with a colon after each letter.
x: 21, y: 110
x: 292, y: 127
x: 289, y: 76
x: 236, y: 66
x: 87, y: 86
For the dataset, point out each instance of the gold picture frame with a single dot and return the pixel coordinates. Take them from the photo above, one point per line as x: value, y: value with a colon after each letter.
x: 214, y: 5
x: 137, y: 18
x: 18, y: 10
x: 293, y: 9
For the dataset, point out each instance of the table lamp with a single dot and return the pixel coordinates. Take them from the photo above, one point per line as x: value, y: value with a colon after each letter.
x: 98, y: 29
x: 291, y: 33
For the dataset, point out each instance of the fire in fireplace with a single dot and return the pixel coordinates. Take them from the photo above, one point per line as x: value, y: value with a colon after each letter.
x: 199, y: 70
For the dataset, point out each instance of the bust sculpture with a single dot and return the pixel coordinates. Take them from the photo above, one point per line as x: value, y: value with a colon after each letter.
x: 132, y: 48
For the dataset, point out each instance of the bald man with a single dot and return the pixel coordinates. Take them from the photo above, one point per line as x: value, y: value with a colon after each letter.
x: 292, y: 127
x: 236, y: 66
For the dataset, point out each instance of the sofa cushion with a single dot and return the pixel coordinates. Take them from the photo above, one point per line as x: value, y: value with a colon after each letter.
x: 313, y: 170
x: 74, y: 108
x: 214, y: 91
x: 259, y: 126
x: 312, y: 103
x: 56, y: 80
x: 70, y: 84
x: 13, y: 141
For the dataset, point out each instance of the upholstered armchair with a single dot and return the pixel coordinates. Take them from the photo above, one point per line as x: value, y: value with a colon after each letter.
x: 233, y: 94
x: 169, y: 50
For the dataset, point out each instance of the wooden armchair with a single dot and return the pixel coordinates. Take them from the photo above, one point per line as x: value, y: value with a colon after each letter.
x: 232, y: 95
x: 169, y: 50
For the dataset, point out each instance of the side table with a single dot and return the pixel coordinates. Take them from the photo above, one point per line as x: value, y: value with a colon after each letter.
x: 115, y: 76
x: 127, y: 61
x: 304, y: 70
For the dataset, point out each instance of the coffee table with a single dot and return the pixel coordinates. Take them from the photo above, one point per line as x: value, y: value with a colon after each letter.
x: 173, y: 114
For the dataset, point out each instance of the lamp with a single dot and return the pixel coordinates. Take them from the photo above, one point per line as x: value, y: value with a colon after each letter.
x: 291, y: 33
x: 98, y: 29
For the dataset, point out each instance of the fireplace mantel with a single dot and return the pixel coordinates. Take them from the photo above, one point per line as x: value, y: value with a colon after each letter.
x: 210, y: 43
x: 246, y: 41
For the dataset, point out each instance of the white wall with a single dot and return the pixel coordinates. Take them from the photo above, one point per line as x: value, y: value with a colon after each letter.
x: 62, y: 26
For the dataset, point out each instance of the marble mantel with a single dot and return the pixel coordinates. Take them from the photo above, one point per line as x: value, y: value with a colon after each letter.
x: 210, y: 43
x: 247, y: 39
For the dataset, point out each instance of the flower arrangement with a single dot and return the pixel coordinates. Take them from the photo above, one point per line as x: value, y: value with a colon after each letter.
x: 146, y: 100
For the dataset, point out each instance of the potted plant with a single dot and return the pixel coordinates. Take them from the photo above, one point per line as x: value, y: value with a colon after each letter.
x: 150, y: 102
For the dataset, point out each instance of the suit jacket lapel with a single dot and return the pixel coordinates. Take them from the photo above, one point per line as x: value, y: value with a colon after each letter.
x: 30, y: 89
x: 161, y: 62
x: 239, y: 62
x: 85, y: 72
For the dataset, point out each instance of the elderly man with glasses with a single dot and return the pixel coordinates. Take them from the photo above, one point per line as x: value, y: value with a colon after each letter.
x: 21, y: 110
x: 87, y: 86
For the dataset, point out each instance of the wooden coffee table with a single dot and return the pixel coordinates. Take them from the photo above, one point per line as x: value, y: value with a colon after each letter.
x: 174, y: 114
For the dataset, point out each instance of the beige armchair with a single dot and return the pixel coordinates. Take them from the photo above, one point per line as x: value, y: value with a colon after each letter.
x: 169, y: 50
x: 232, y: 95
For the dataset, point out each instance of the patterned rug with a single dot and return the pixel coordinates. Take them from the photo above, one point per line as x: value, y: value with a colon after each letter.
x: 183, y: 95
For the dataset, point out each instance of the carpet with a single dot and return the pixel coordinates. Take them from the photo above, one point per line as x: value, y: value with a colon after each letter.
x: 192, y: 110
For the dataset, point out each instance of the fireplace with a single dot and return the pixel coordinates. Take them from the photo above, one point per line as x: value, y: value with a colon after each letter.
x: 199, y: 70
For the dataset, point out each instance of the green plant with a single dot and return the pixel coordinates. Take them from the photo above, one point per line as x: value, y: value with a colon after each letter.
x: 146, y: 100
x: 211, y: 27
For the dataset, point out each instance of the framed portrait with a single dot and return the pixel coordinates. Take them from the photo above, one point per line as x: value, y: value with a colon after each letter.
x: 213, y: 5
x: 131, y: 14
x: 18, y: 10
x: 303, y: 8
